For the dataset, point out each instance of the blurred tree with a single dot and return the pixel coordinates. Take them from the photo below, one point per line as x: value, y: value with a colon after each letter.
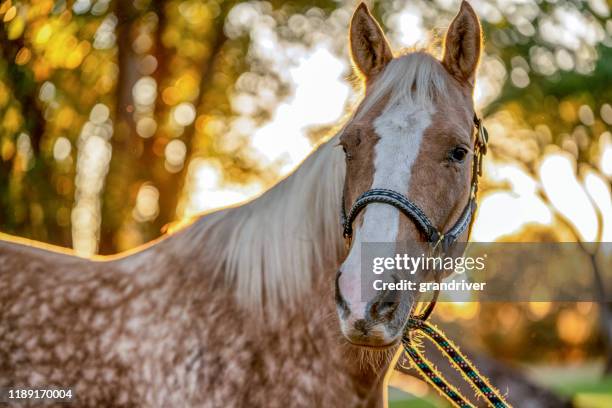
x: 158, y: 75
x: 143, y: 137
x: 28, y: 197
x: 554, y: 94
x: 195, y: 65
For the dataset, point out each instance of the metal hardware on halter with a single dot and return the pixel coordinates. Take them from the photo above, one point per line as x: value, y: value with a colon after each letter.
x: 438, y: 242
x: 435, y: 238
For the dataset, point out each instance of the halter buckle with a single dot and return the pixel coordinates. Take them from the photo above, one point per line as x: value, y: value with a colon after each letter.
x: 437, y: 243
x: 479, y: 169
x: 483, y: 137
x: 348, y: 238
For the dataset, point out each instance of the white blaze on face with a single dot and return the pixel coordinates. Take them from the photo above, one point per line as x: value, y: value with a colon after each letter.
x: 401, y: 130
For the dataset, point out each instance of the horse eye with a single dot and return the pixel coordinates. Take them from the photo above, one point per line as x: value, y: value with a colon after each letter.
x: 458, y: 154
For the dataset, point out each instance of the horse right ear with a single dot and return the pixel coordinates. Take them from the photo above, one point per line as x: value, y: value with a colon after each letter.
x: 462, y: 45
x: 369, y: 47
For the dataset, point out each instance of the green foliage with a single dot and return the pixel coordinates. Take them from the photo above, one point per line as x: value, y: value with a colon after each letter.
x: 156, y: 81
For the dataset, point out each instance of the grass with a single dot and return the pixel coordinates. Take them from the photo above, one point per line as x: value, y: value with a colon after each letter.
x: 589, y: 394
x: 401, y: 399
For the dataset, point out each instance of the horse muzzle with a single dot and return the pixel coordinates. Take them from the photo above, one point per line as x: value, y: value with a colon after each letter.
x: 377, y: 323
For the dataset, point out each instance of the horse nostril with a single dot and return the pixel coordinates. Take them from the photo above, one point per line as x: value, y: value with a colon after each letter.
x: 382, y: 309
x: 362, y: 326
x: 383, y: 305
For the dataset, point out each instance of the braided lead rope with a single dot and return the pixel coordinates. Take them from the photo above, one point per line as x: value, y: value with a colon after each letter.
x: 431, y: 375
x: 460, y: 362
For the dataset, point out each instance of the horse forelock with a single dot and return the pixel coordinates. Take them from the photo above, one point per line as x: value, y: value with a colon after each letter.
x: 415, y: 79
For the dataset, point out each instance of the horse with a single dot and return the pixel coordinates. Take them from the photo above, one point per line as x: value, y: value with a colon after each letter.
x: 260, y: 304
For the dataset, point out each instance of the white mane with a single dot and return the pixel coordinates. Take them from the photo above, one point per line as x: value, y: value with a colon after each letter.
x: 269, y: 248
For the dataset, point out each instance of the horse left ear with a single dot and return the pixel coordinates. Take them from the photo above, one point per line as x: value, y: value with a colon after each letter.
x: 369, y: 47
x: 462, y: 45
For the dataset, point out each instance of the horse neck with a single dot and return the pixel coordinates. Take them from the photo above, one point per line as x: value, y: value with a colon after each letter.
x: 279, y: 253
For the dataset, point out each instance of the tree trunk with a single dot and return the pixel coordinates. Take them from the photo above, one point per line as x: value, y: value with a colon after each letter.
x: 171, y: 185
x: 127, y: 146
x: 133, y: 161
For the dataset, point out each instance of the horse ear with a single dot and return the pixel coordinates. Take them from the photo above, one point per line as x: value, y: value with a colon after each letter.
x: 462, y: 45
x: 369, y: 47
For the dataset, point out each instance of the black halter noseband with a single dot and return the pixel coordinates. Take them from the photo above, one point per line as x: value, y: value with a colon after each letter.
x: 414, y: 212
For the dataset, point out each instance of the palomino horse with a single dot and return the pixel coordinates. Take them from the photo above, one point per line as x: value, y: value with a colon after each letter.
x: 238, y: 308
